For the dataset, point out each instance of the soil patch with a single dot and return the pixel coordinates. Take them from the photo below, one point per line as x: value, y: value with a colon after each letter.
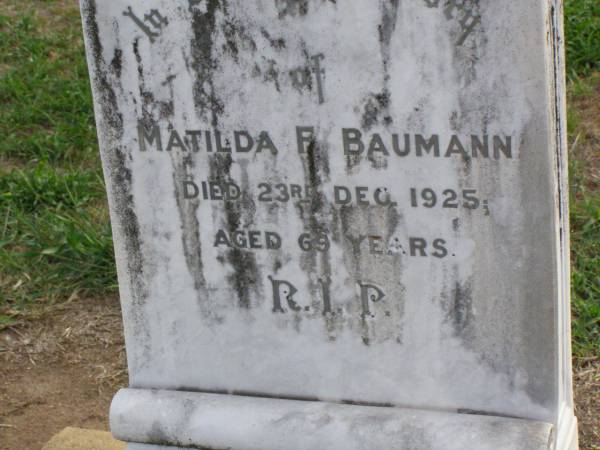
x: 587, y: 402
x: 61, y: 369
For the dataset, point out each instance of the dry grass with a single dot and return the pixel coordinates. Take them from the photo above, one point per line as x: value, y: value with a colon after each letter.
x: 585, y: 130
x: 587, y: 399
x: 76, y: 333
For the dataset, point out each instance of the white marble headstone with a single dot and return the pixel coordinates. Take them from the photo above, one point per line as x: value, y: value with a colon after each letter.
x: 338, y: 224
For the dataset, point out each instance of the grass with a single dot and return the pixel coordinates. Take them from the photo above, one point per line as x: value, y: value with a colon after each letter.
x: 46, y: 114
x: 584, y: 131
x: 582, y: 23
x: 55, y: 238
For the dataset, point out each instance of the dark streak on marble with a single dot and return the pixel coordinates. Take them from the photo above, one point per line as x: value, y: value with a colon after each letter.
x: 116, y: 159
x: 203, y: 63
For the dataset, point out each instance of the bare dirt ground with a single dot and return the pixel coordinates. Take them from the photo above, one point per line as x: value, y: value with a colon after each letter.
x: 62, y: 369
x: 587, y: 402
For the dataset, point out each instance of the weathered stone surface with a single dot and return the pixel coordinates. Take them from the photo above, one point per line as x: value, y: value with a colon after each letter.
x: 81, y: 439
x: 221, y: 421
x: 340, y: 201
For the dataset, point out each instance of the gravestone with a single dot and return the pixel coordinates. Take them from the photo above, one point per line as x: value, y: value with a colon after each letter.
x: 337, y: 225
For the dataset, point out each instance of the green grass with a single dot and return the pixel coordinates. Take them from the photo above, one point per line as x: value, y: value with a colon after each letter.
x: 584, y: 183
x: 585, y: 241
x: 42, y: 187
x: 46, y: 112
x: 55, y: 237
x: 582, y: 24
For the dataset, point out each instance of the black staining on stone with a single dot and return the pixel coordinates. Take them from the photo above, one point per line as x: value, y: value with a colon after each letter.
x: 302, y: 78
x: 117, y: 62
x: 389, y: 17
x: 336, y: 235
x: 157, y: 436
x: 557, y: 96
x: 459, y: 309
x: 465, y: 162
x: 317, y: 264
x: 316, y: 169
x: 353, y: 161
x: 295, y: 8
x: 121, y: 182
x: 245, y: 274
x: 236, y: 39
x: 115, y: 156
x: 190, y: 225
x: 138, y: 57
x: 211, y: 448
x: 165, y: 109
x: 346, y: 215
x: 467, y: 34
x: 374, y: 110
x: 317, y: 166
x: 393, y: 220
x: 230, y: 45
x: 169, y: 80
x: 454, y: 122
x: 121, y: 177
x: 466, y: 167
x: 245, y: 268
x: 355, y: 224
x: 183, y: 169
x: 256, y: 72
x: 247, y: 201
x: 108, y: 98
x: 146, y: 97
x: 220, y: 167
x: 455, y: 224
x: 277, y: 44
x: 271, y: 74
x: 302, y: 75
x: 203, y: 63
x: 291, y: 8
x: 475, y: 412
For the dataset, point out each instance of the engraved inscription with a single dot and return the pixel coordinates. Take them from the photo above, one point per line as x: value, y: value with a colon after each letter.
x: 152, y: 23
x: 302, y: 77
x: 464, y: 12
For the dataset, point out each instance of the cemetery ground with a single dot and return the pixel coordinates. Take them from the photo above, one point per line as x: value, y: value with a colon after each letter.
x: 61, y: 346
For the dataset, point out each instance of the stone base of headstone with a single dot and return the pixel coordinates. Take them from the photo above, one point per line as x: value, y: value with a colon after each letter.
x: 79, y: 439
x: 187, y: 419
